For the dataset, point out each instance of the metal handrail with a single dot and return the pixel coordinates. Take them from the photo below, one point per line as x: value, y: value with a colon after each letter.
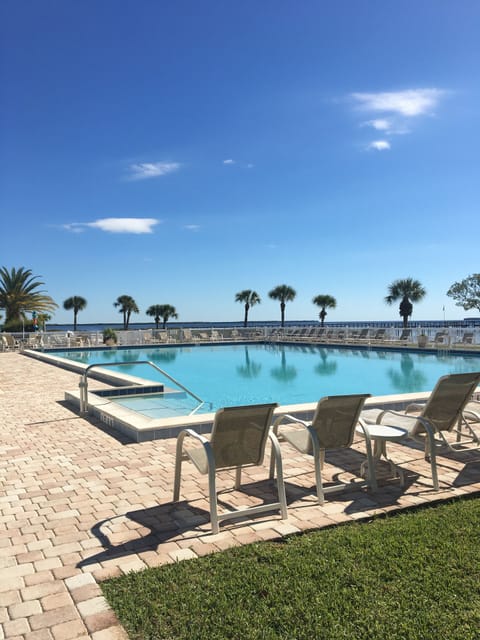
x: 83, y: 384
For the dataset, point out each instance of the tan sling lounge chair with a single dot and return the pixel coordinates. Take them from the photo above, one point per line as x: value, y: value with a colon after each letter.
x: 238, y: 440
x: 332, y: 427
x: 434, y: 423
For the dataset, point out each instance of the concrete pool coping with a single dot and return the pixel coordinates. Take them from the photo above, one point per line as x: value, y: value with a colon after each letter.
x: 141, y: 428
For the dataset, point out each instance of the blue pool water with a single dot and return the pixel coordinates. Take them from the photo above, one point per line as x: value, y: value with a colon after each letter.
x: 227, y: 375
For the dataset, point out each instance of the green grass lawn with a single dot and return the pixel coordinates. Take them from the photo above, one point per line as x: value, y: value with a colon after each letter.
x: 414, y: 575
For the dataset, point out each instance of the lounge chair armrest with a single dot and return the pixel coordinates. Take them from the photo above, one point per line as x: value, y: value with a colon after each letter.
x: 291, y: 419
x: 415, y: 406
x: 366, y: 433
x: 389, y: 412
x: 428, y: 426
x: 193, y: 434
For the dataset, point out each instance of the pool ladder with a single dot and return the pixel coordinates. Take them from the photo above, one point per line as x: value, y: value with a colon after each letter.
x: 83, y: 384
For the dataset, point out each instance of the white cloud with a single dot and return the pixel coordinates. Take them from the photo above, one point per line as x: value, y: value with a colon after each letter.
x: 145, y: 170
x: 379, y: 145
x: 116, y: 225
x: 191, y: 227
x: 380, y: 124
x: 242, y: 165
x: 409, y: 103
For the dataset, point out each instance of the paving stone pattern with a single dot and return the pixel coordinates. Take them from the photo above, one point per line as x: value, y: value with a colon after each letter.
x: 79, y: 504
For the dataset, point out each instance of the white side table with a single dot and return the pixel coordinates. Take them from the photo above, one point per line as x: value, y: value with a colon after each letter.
x: 381, y: 434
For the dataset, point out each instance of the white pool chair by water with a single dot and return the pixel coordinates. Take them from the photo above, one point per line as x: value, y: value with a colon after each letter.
x: 188, y: 336
x: 379, y: 335
x: 10, y: 342
x: 404, y: 338
x: 363, y: 336
x: 466, y: 340
x: 440, y: 424
x: 332, y: 427
x: 441, y: 339
x: 238, y: 440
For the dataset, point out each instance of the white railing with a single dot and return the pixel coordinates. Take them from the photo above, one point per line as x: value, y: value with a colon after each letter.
x: 453, y: 337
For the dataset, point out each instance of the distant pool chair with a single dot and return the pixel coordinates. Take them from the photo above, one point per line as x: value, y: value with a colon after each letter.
x: 379, y: 335
x: 441, y: 339
x: 404, y: 338
x: 10, y: 342
x: 238, y: 440
x: 466, y: 340
x: 446, y: 412
x: 332, y: 427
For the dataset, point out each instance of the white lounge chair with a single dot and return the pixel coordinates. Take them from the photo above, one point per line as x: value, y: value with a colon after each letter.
x: 432, y: 424
x: 333, y: 427
x: 238, y: 440
x: 466, y: 340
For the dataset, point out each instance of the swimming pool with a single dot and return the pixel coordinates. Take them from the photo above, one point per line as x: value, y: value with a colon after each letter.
x: 227, y: 375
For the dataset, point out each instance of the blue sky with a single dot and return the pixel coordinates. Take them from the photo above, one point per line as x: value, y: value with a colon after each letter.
x: 180, y: 152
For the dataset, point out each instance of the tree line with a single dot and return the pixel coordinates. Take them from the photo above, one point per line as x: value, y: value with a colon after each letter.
x: 21, y: 292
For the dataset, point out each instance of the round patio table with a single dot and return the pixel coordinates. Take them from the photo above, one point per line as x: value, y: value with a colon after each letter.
x: 381, y: 434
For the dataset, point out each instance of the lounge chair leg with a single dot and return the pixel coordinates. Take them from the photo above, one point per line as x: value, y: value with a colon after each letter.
x: 318, y: 460
x: 178, y: 469
x: 238, y: 477
x: 212, y: 491
x: 433, y: 465
x: 277, y: 457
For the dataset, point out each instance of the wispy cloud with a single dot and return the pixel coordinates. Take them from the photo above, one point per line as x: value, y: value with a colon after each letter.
x: 242, y: 165
x: 116, y: 225
x: 379, y: 145
x: 409, y: 103
x: 396, y: 111
x: 145, y: 170
x: 191, y: 227
x: 388, y: 126
x: 381, y: 124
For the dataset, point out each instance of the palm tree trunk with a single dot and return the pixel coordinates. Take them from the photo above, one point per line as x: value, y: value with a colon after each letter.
x: 74, y: 320
x: 282, y: 311
x: 245, y: 320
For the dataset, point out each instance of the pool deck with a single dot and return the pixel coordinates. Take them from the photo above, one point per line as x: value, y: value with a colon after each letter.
x: 80, y: 503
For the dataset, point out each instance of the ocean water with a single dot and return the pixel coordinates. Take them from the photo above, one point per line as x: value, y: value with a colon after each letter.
x: 118, y: 326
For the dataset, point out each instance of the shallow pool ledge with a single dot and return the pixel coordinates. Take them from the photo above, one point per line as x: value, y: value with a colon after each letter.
x: 140, y: 428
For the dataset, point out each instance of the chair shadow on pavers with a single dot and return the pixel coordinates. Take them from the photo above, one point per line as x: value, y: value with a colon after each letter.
x: 157, y: 525
x: 301, y: 488
x: 470, y: 473
x: 170, y: 522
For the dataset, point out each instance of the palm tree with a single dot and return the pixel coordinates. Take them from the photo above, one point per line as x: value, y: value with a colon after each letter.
x: 325, y: 302
x: 249, y: 298
x: 77, y: 303
x: 408, y: 291
x: 163, y: 311
x: 127, y: 306
x: 19, y: 293
x: 285, y: 294
x: 154, y: 312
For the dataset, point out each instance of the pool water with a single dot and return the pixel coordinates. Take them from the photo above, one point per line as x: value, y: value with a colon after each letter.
x: 229, y: 375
